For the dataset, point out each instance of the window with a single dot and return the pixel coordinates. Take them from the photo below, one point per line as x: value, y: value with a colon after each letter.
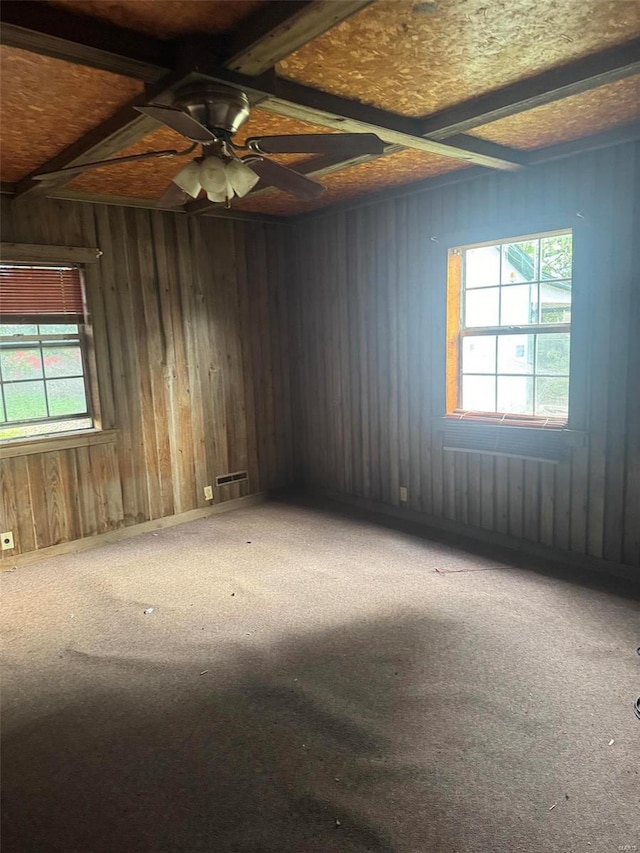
x: 43, y: 358
x: 509, y: 329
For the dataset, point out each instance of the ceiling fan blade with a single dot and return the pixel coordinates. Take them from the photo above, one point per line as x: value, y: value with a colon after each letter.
x: 77, y: 170
x: 172, y: 197
x: 349, y: 144
x: 179, y: 121
x: 286, y: 179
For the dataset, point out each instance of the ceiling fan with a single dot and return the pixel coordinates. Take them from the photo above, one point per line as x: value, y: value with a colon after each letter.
x: 210, y: 115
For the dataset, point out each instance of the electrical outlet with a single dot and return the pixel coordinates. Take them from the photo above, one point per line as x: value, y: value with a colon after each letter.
x: 404, y: 495
x: 7, y: 540
x: 208, y: 493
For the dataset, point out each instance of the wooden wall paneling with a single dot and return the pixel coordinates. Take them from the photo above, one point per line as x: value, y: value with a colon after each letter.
x: 25, y: 539
x: 601, y: 271
x: 461, y: 487
x: 187, y: 344
x: 531, y: 500
x: 623, y: 291
x: 449, y: 485
x: 246, y: 344
x: 204, y: 353
x: 419, y: 425
x: 283, y: 249
x: 132, y: 462
x: 487, y: 492
x: 516, y: 498
x: 562, y: 510
x: 98, y: 338
x: 356, y: 377
x: 631, y: 539
x: 547, y: 501
x: 179, y: 435
x: 580, y: 504
x: 331, y: 359
x: 394, y: 368
x: 474, y: 494
x: 346, y: 354
x: 501, y: 496
x: 39, y: 501
x: 399, y: 274
x: 86, y: 492
x: 9, y: 505
x: 362, y: 285
x: 382, y: 331
x: 214, y: 258
x: 193, y: 318
x: 154, y: 471
x: 257, y: 265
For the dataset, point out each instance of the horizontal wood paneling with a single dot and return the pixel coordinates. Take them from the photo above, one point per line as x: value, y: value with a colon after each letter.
x: 190, y: 335
x: 370, y: 294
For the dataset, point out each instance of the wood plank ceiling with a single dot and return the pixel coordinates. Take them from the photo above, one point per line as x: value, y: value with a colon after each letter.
x: 447, y: 84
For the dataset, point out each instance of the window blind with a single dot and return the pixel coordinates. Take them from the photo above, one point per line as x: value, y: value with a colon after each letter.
x: 40, y: 291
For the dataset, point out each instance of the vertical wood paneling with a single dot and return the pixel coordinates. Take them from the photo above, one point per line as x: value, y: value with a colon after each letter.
x: 395, y: 303
x: 191, y: 337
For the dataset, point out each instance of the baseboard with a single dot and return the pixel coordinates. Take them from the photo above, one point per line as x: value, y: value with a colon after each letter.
x: 381, y: 511
x: 121, y: 533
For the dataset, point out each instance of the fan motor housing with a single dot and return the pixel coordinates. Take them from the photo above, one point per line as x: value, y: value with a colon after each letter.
x: 214, y: 106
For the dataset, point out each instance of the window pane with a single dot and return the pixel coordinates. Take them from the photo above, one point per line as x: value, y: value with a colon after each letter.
x: 552, y: 354
x: 555, y: 256
x: 58, y: 329
x: 479, y: 354
x: 18, y: 329
x: 552, y: 397
x: 520, y: 261
x: 62, y: 361
x: 25, y: 400
x: 515, y: 353
x: 479, y: 393
x: 20, y: 363
x: 555, y: 302
x: 2, y: 415
x: 66, y: 396
x: 481, y: 307
x: 519, y: 305
x: 482, y: 266
x: 515, y: 395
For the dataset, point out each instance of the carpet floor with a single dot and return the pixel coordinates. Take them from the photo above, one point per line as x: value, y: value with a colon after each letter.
x: 286, y: 679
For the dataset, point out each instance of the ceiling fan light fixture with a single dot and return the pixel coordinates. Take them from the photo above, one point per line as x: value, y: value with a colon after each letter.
x: 213, y: 176
x: 188, y: 179
x: 241, y: 177
x: 221, y: 196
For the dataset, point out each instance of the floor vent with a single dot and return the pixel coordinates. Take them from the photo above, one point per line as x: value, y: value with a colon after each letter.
x: 226, y: 479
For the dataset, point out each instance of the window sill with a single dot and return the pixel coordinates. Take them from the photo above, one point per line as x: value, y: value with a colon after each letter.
x: 49, y: 443
x: 531, y: 441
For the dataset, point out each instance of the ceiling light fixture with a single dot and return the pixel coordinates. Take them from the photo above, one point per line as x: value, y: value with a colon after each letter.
x: 219, y: 179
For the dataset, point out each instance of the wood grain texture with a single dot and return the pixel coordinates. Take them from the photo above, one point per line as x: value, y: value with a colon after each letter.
x: 35, y: 93
x: 191, y: 339
x: 413, y: 57
x: 390, y: 313
x: 570, y: 118
x: 166, y: 19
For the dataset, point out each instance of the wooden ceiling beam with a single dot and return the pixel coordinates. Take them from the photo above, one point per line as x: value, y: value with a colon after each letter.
x: 287, y: 98
x: 50, y: 31
x: 280, y: 28
x: 581, y: 75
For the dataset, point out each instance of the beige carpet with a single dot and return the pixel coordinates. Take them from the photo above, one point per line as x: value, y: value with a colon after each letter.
x: 311, y: 683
